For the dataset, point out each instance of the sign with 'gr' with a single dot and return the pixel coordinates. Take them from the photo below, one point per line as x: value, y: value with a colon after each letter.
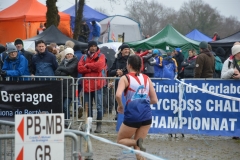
x: 39, y: 137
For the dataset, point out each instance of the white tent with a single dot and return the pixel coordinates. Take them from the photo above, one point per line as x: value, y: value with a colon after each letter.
x: 114, y: 26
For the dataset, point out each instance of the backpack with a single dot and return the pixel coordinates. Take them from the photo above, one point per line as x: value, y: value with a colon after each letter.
x: 218, y: 64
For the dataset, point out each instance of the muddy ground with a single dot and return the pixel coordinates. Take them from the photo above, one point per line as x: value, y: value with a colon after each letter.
x: 190, y: 147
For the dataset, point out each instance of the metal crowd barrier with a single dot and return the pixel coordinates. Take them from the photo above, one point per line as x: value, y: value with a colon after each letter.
x: 77, y: 107
x: 75, y: 144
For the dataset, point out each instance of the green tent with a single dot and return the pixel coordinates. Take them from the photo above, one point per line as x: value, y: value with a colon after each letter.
x: 168, y: 36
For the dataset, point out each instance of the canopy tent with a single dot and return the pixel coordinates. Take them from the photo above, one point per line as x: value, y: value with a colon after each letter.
x: 53, y: 34
x: 198, y: 36
x: 22, y: 19
x: 115, y: 26
x: 226, y: 43
x: 89, y: 14
x: 168, y: 37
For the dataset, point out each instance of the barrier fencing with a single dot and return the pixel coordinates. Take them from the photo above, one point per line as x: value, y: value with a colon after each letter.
x: 81, y: 106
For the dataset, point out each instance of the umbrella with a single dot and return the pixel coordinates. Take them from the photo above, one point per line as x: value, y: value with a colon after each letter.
x: 109, y: 54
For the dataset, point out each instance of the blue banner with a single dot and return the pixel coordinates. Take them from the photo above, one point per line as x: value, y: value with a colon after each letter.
x: 216, y: 113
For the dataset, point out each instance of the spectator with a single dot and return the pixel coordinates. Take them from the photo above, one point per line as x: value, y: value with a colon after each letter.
x: 215, y: 37
x: 50, y: 49
x: 231, y: 69
x: 68, y: 44
x: 3, y: 55
x: 91, y: 65
x: 188, y: 64
x: 28, y: 55
x: 68, y: 67
x: 118, y: 67
x: 149, y: 63
x: 40, y: 29
x: 205, y: 62
x: 141, y: 54
x: 15, y: 64
x: 158, y: 68
x: 95, y: 31
x: 44, y: 62
x: 169, y: 67
x: 178, y: 56
x: 84, y: 32
x: 220, y: 52
x: 137, y: 112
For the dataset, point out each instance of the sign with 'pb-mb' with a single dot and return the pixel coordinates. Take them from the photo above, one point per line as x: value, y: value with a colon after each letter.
x: 39, y: 137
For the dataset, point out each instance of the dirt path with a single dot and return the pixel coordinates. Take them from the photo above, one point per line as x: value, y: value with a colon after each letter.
x: 191, y: 147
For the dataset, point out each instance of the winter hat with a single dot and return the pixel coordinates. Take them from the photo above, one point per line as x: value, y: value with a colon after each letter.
x: 203, y: 45
x: 157, y: 52
x: 18, y: 41
x: 69, y: 50
x: 92, y: 43
x: 11, y: 48
x: 235, y: 49
x: 178, y: 49
x: 139, y: 50
x: 123, y: 46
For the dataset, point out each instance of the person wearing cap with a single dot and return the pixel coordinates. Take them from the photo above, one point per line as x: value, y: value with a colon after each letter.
x: 231, y: 69
x: 92, y: 65
x: 95, y: 31
x: 15, y: 64
x: 44, y: 63
x: 205, y: 62
x: 68, y: 67
x: 179, y: 57
x: 28, y: 55
x: 118, y: 67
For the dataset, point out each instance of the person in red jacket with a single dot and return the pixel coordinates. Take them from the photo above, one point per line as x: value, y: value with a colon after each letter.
x: 92, y: 65
x: 140, y: 53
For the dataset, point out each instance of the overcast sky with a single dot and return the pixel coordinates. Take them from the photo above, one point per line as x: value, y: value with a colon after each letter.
x: 225, y: 7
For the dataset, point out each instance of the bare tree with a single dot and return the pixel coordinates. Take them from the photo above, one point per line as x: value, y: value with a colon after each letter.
x: 102, y: 10
x: 149, y: 14
x: 228, y: 26
x: 196, y: 14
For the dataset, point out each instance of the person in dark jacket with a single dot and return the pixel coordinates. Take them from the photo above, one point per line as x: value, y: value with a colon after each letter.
x: 44, y: 62
x: 84, y: 32
x: 15, y: 64
x: 188, y: 65
x: 178, y: 56
x: 68, y: 67
x: 3, y: 55
x: 28, y: 55
x: 119, y: 65
x: 220, y: 52
x: 149, y: 63
x: 205, y: 62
